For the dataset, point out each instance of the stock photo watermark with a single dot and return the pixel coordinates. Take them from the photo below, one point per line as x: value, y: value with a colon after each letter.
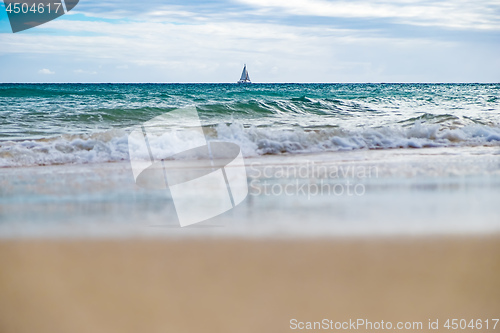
x: 205, y: 179
x: 381, y: 325
x: 28, y: 14
x: 309, y: 179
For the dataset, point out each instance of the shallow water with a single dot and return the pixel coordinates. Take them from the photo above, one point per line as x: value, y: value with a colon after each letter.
x: 356, y: 193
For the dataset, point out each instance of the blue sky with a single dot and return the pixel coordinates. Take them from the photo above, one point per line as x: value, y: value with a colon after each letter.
x: 279, y: 40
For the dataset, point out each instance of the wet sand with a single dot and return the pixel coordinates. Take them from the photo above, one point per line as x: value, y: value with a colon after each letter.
x: 243, y: 285
x: 402, y: 191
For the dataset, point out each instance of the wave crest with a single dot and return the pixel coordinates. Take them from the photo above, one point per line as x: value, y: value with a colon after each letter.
x: 112, y: 145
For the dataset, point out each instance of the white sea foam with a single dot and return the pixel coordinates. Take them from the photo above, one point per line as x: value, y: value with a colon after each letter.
x: 112, y: 145
x: 259, y: 141
x: 102, y: 147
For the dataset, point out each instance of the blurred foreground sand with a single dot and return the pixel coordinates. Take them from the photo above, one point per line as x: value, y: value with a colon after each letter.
x: 166, y: 285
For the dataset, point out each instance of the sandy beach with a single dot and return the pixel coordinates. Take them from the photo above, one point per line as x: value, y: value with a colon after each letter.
x: 243, y: 285
x: 83, y: 249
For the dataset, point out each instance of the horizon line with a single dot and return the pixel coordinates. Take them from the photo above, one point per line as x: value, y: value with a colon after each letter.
x: 254, y: 83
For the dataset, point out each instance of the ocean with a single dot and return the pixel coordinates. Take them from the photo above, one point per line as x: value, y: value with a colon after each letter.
x: 44, y: 124
x: 378, y: 158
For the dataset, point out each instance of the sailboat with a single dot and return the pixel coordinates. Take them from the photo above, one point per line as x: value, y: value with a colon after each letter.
x: 245, y: 78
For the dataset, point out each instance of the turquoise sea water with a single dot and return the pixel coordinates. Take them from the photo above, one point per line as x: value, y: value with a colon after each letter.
x: 43, y: 124
x: 434, y: 149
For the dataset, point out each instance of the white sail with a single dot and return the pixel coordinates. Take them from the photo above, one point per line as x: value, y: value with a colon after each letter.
x: 244, y: 74
x: 245, y: 77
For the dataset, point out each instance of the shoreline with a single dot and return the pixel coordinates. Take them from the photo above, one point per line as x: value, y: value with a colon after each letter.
x: 403, y: 192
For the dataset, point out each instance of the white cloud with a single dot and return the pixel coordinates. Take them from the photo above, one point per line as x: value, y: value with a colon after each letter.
x: 170, y: 45
x: 46, y: 71
x: 214, y: 45
x: 451, y: 13
x: 216, y: 51
x: 458, y: 14
x: 81, y: 71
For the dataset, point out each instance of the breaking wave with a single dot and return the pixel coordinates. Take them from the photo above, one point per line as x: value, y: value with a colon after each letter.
x: 112, y: 145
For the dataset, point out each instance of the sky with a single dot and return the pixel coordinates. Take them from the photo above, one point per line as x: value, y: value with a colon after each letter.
x: 279, y: 40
